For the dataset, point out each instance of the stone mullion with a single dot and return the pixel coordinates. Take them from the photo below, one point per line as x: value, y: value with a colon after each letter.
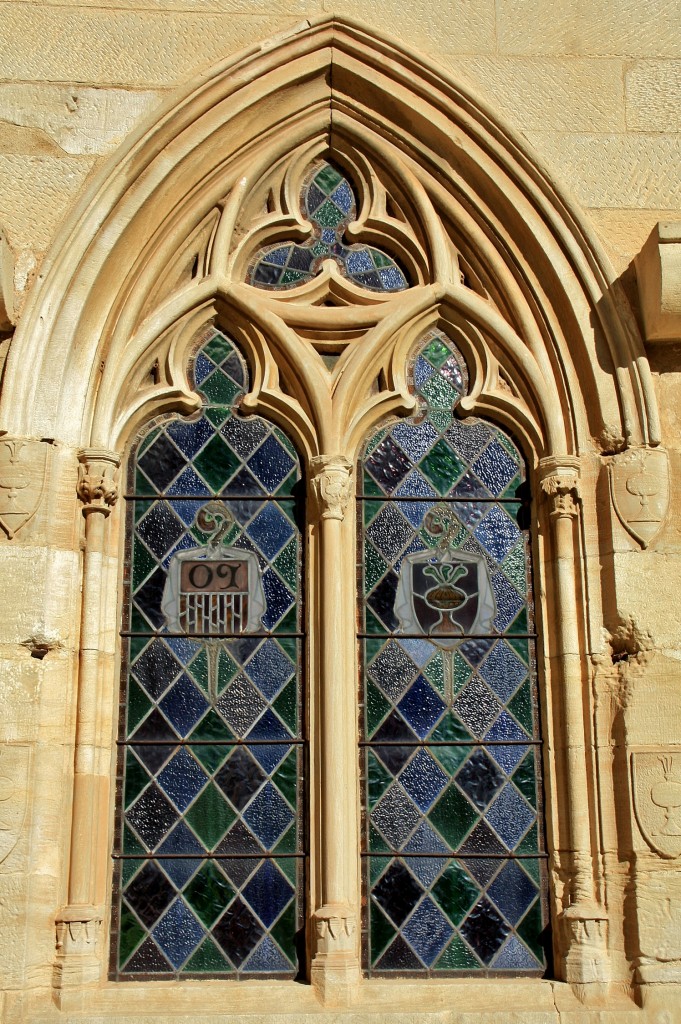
x: 583, y: 936
x: 335, y: 965
x: 78, y: 924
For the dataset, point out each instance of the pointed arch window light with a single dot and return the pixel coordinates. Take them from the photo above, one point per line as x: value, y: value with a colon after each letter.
x: 454, y: 857
x: 328, y: 201
x: 209, y: 855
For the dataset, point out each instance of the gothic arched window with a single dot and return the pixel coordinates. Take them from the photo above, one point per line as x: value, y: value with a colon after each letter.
x: 210, y: 846
x: 453, y: 840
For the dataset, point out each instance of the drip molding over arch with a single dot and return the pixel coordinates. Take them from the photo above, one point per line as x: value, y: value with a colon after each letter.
x: 159, y: 245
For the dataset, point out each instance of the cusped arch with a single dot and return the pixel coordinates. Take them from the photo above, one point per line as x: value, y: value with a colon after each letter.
x: 147, y: 257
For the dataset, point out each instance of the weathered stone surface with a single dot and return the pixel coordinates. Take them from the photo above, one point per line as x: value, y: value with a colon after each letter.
x: 653, y: 96
x: 637, y: 28
x: 35, y: 193
x: 565, y: 94
x: 74, y: 120
x: 470, y: 24
x: 623, y: 232
x: 64, y: 44
x: 615, y: 170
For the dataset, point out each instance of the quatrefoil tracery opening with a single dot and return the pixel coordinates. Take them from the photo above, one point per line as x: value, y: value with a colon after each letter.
x: 329, y: 203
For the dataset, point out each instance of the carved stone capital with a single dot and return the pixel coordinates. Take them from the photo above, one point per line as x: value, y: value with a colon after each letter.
x: 78, y: 931
x: 97, y: 486
x: 335, y: 928
x: 331, y: 484
x: 559, y: 483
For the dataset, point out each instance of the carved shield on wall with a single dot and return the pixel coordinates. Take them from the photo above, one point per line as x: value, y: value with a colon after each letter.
x: 656, y: 788
x: 14, y: 781
x: 639, y: 484
x: 23, y: 465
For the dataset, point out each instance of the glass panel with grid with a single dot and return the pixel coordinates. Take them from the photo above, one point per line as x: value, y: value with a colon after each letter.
x: 453, y: 848
x: 209, y: 855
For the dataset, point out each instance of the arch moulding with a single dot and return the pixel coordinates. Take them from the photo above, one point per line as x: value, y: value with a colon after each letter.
x: 159, y: 248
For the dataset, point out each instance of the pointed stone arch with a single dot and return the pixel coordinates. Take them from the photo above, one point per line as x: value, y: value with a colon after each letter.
x: 177, y: 186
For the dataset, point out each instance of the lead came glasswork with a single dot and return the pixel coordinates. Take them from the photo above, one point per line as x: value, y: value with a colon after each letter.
x: 329, y: 203
x: 453, y: 836
x: 210, y: 846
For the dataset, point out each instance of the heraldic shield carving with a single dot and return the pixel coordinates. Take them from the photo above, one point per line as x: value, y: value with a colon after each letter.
x: 23, y: 465
x: 14, y: 762
x: 656, y: 786
x: 639, y: 483
x: 214, y: 589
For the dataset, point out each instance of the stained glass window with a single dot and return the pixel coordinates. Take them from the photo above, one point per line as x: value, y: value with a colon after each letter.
x: 453, y: 854
x: 209, y: 856
x: 328, y: 202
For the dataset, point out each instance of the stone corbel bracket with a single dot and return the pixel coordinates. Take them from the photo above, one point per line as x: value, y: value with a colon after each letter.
x: 658, y: 269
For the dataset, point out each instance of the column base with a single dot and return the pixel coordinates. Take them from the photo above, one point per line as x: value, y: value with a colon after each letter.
x: 335, y: 973
x: 584, y: 938
x: 78, y: 963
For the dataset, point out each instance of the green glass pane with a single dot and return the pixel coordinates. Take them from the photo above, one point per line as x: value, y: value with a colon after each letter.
x: 212, y: 727
x: 217, y: 415
x: 457, y: 957
x: 455, y: 893
x: 329, y: 215
x: 289, y: 865
x: 453, y: 816
x: 521, y: 648
x: 219, y: 389
x: 371, y: 508
x: 131, y: 934
x: 375, y: 567
x: 147, y: 441
x: 285, y: 777
x: 439, y: 392
x: 288, y: 843
x: 435, y: 671
x: 207, y: 960
x: 451, y: 758
x: 371, y: 649
x: 377, y: 843
x: 377, y: 866
x: 521, y: 706
x: 436, y: 352
x: 451, y: 730
x: 525, y: 779
x: 371, y: 623
x: 380, y: 259
x: 532, y: 866
x: 142, y: 486
x: 519, y: 624
x: 211, y: 756
x: 216, y: 463
x: 284, y: 932
x: 286, y: 565
x: 441, y: 467
x: 218, y: 348
x: 530, y: 844
x: 289, y: 623
x: 514, y: 567
x: 208, y: 893
x: 378, y: 779
x: 210, y: 816
x: 376, y: 708
x: 198, y: 669
x: 286, y: 705
x: 136, y: 778
x: 530, y: 929
x: 293, y: 277
x: 131, y: 843
x: 139, y: 704
x: 327, y: 178
x: 382, y: 932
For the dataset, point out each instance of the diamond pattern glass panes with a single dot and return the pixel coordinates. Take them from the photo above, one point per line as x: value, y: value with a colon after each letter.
x: 329, y: 203
x: 454, y: 863
x: 210, y: 852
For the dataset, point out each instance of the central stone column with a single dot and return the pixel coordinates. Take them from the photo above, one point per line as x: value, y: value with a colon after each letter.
x: 335, y: 964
